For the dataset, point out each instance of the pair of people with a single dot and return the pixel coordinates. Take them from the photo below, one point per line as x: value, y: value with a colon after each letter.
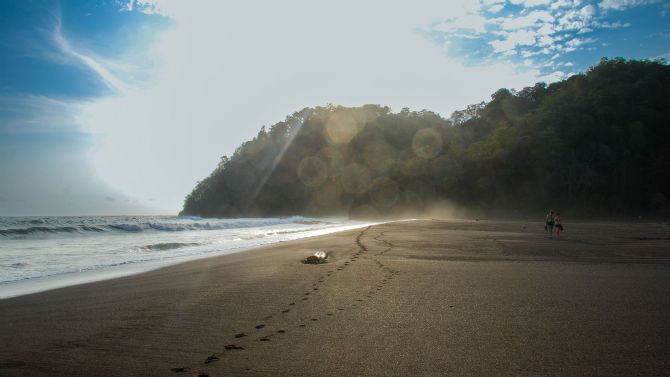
x: 553, y: 221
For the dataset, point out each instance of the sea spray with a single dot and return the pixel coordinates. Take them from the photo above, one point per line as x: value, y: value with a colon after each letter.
x: 33, y: 249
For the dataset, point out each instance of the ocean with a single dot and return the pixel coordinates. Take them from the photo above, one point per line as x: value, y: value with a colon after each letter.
x: 41, y: 253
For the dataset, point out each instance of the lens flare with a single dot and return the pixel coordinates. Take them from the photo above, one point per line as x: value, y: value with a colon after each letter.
x: 384, y: 192
x: 411, y: 165
x: 427, y: 143
x: 333, y: 158
x: 312, y: 171
x: 327, y: 197
x: 418, y: 193
x: 379, y: 156
x: 341, y: 128
x: 356, y: 178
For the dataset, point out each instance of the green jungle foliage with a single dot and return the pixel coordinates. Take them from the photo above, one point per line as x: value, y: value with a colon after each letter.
x: 596, y: 143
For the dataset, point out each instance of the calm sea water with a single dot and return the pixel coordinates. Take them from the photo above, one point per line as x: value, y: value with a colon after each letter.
x: 38, y: 253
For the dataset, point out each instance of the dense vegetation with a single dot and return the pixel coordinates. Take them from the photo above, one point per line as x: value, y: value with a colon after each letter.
x: 596, y: 143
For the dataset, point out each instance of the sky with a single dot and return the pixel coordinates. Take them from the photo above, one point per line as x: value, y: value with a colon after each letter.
x: 121, y: 106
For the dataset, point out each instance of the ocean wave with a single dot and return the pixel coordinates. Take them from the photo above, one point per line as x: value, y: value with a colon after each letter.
x: 37, y: 230
x: 167, y: 246
x: 44, y: 227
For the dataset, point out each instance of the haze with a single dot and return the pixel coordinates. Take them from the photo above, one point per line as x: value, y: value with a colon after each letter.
x: 122, y: 108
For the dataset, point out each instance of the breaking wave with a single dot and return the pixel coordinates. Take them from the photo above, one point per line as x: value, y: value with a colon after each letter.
x: 64, y: 226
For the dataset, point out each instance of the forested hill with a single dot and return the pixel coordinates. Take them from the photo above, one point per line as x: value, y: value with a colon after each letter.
x: 595, y: 144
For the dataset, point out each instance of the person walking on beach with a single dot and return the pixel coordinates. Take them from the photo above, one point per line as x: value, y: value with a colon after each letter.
x: 558, y: 225
x: 549, y: 223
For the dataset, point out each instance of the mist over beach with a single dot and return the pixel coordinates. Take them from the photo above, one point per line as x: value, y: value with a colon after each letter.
x: 426, y: 188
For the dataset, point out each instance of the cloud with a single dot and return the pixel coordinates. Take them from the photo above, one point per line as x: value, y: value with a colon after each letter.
x: 613, y: 25
x: 537, y: 33
x: 31, y: 114
x: 563, y: 4
x: 577, y: 19
x: 665, y: 56
x: 66, y: 48
x: 231, y: 67
x: 535, y: 3
x: 532, y: 19
x: 144, y: 6
x: 226, y: 68
x: 624, y: 4
x: 472, y: 22
x: 496, y: 8
x: 513, y: 39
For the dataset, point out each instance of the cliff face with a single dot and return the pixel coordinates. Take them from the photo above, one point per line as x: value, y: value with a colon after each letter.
x: 596, y: 143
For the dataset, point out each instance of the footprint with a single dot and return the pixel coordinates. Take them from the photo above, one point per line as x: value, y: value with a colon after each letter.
x: 285, y: 311
x: 291, y: 304
x: 178, y: 370
x: 240, y: 335
x: 305, y: 298
x: 301, y: 325
x: 233, y: 347
x: 306, y: 293
x: 315, y: 319
x: 268, y: 317
x: 211, y: 358
x: 281, y: 331
x: 264, y: 339
x: 316, y: 289
x: 329, y: 314
x: 203, y: 375
x: 260, y: 326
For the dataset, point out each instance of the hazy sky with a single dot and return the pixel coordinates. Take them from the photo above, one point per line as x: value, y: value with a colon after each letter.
x: 116, y: 107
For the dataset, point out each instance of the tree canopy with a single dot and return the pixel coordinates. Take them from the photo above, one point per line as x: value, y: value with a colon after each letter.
x: 596, y: 143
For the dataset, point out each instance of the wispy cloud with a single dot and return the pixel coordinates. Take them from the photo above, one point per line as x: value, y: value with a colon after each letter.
x: 31, y: 114
x: 623, y: 4
x: 90, y: 62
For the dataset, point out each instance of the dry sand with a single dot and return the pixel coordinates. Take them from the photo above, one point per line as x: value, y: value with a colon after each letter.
x: 420, y: 298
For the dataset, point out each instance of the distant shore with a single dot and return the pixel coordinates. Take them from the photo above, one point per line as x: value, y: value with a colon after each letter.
x: 426, y: 298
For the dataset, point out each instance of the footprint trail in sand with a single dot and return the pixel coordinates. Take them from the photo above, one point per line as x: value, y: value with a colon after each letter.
x: 359, y: 254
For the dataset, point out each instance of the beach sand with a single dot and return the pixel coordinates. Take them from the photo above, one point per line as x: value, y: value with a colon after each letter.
x: 415, y: 298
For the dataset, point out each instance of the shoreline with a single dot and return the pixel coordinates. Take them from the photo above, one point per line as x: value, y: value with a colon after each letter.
x: 28, y: 286
x: 421, y: 297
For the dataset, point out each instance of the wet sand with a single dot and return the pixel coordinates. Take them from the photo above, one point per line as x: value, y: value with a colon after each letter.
x: 419, y: 298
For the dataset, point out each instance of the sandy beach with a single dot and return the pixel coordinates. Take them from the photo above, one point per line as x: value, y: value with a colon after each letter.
x: 412, y: 298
